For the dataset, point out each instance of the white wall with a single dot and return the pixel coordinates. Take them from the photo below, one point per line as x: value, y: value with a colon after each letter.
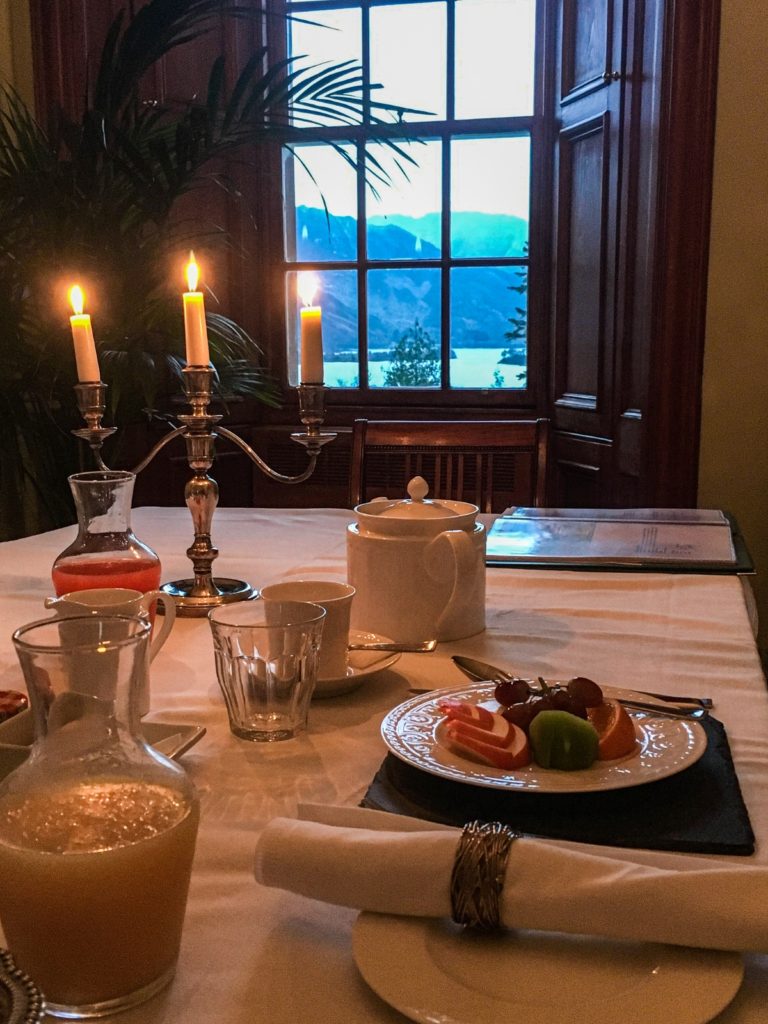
x: 734, y: 438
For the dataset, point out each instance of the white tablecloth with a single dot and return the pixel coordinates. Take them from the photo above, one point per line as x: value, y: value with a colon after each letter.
x: 251, y: 954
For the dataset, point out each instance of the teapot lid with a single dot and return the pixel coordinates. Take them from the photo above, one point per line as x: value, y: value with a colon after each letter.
x: 417, y: 505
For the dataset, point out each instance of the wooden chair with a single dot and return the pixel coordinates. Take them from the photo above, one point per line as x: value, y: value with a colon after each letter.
x: 491, y: 463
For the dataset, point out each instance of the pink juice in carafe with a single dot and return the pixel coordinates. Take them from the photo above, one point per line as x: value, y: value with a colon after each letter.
x: 106, y: 552
x: 83, y: 573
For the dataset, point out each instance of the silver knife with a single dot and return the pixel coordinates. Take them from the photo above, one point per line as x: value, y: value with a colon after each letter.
x: 481, y: 671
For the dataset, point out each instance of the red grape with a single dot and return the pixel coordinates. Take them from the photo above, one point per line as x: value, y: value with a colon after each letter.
x: 511, y: 691
x: 586, y: 691
x: 520, y: 715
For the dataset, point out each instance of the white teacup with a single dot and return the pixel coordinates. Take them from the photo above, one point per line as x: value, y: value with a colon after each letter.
x: 336, y: 598
x: 120, y: 601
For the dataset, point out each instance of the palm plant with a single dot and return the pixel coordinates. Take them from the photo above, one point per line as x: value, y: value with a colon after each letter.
x: 94, y: 199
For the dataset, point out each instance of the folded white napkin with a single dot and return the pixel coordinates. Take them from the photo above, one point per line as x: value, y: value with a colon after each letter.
x: 386, y: 863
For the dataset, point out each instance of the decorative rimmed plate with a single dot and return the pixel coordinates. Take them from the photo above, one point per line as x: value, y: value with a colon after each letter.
x: 455, y: 976
x: 362, y: 665
x: 665, y: 747
x: 21, y: 1001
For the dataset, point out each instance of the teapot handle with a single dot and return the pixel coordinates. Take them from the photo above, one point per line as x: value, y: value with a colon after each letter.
x: 460, y: 564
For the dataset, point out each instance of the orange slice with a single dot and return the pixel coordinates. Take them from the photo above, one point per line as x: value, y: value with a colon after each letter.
x: 615, y: 730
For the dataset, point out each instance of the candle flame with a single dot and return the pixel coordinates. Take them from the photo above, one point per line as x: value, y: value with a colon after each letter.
x: 307, y: 286
x: 193, y: 273
x: 76, y: 299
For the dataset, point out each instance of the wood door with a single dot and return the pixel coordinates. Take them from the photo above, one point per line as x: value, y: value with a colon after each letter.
x: 589, y: 95
x: 635, y: 104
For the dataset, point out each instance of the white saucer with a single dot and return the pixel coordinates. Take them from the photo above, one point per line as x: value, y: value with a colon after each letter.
x: 432, y: 970
x: 362, y: 665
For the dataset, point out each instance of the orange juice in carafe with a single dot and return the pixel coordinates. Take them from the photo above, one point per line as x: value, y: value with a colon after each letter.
x: 96, y: 867
x: 97, y: 831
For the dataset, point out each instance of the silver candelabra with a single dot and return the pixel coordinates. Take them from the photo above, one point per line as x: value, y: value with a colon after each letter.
x: 197, y: 595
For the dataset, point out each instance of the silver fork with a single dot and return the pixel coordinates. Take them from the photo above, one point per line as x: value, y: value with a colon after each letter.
x: 703, y: 702
x: 674, y: 708
x: 670, y: 711
x: 500, y: 676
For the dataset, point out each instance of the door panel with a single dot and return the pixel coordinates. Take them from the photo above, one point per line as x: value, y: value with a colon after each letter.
x: 586, y: 204
x: 583, y: 214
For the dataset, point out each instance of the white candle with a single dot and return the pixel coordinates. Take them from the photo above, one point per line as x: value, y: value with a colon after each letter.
x: 311, y: 332
x: 195, y: 330
x: 82, y: 336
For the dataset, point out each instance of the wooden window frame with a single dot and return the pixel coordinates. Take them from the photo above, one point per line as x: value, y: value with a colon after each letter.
x: 535, y: 127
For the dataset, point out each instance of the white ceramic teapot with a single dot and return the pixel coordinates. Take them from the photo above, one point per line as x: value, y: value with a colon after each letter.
x: 418, y: 567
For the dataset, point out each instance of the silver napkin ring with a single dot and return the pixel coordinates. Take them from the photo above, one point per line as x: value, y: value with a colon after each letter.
x: 478, y: 871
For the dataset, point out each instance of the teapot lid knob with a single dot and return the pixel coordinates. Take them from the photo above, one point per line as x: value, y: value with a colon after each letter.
x: 418, y: 488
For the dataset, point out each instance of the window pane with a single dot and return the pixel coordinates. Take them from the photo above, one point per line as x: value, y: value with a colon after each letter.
x: 404, y: 328
x: 490, y: 188
x: 313, y: 175
x: 337, y: 297
x: 408, y: 57
x: 404, y: 215
x: 489, y: 327
x: 494, y: 57
x: 334, y: 36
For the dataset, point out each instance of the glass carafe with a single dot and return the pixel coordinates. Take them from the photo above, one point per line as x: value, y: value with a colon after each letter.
x: 97, y: 830
x: 106, y: 552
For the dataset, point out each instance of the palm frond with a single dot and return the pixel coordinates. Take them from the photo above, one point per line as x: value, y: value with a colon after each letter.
x: 95, y: 197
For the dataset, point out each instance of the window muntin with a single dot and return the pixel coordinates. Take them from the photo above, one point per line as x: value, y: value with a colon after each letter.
x: 460, y: 216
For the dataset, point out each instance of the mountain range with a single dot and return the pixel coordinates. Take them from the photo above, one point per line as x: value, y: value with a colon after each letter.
x: 481, y: 302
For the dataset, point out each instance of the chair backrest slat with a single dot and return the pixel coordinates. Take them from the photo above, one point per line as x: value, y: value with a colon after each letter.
x: 492, y: 463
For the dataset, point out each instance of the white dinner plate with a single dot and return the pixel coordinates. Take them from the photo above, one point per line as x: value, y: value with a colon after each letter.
x: 665, y: 747
x: 362, y: 665
x: 432, y: 970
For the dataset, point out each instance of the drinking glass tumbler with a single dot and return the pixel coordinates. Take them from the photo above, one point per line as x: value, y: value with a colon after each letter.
x: 266, y: 663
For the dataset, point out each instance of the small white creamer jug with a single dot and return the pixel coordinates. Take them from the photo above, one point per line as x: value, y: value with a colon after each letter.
x: 418, y: 567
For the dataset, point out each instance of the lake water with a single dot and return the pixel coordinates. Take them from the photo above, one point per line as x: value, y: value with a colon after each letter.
x: 472, y: 368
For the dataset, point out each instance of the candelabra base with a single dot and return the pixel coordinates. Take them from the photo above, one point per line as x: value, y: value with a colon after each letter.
x: 192, y: 605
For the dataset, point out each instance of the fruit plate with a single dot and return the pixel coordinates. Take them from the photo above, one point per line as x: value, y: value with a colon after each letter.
x: 459, y: 976
x: 665, y: 747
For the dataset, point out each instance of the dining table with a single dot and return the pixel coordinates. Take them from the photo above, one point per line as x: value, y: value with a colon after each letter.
x: 253, y: 954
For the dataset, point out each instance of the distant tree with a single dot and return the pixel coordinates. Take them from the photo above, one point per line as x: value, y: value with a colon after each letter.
x: 518, y: 322
x: 415, y: 360
x: 498, y: 379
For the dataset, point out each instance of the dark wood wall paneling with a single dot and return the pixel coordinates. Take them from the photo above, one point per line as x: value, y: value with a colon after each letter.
x: 686, y: 130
